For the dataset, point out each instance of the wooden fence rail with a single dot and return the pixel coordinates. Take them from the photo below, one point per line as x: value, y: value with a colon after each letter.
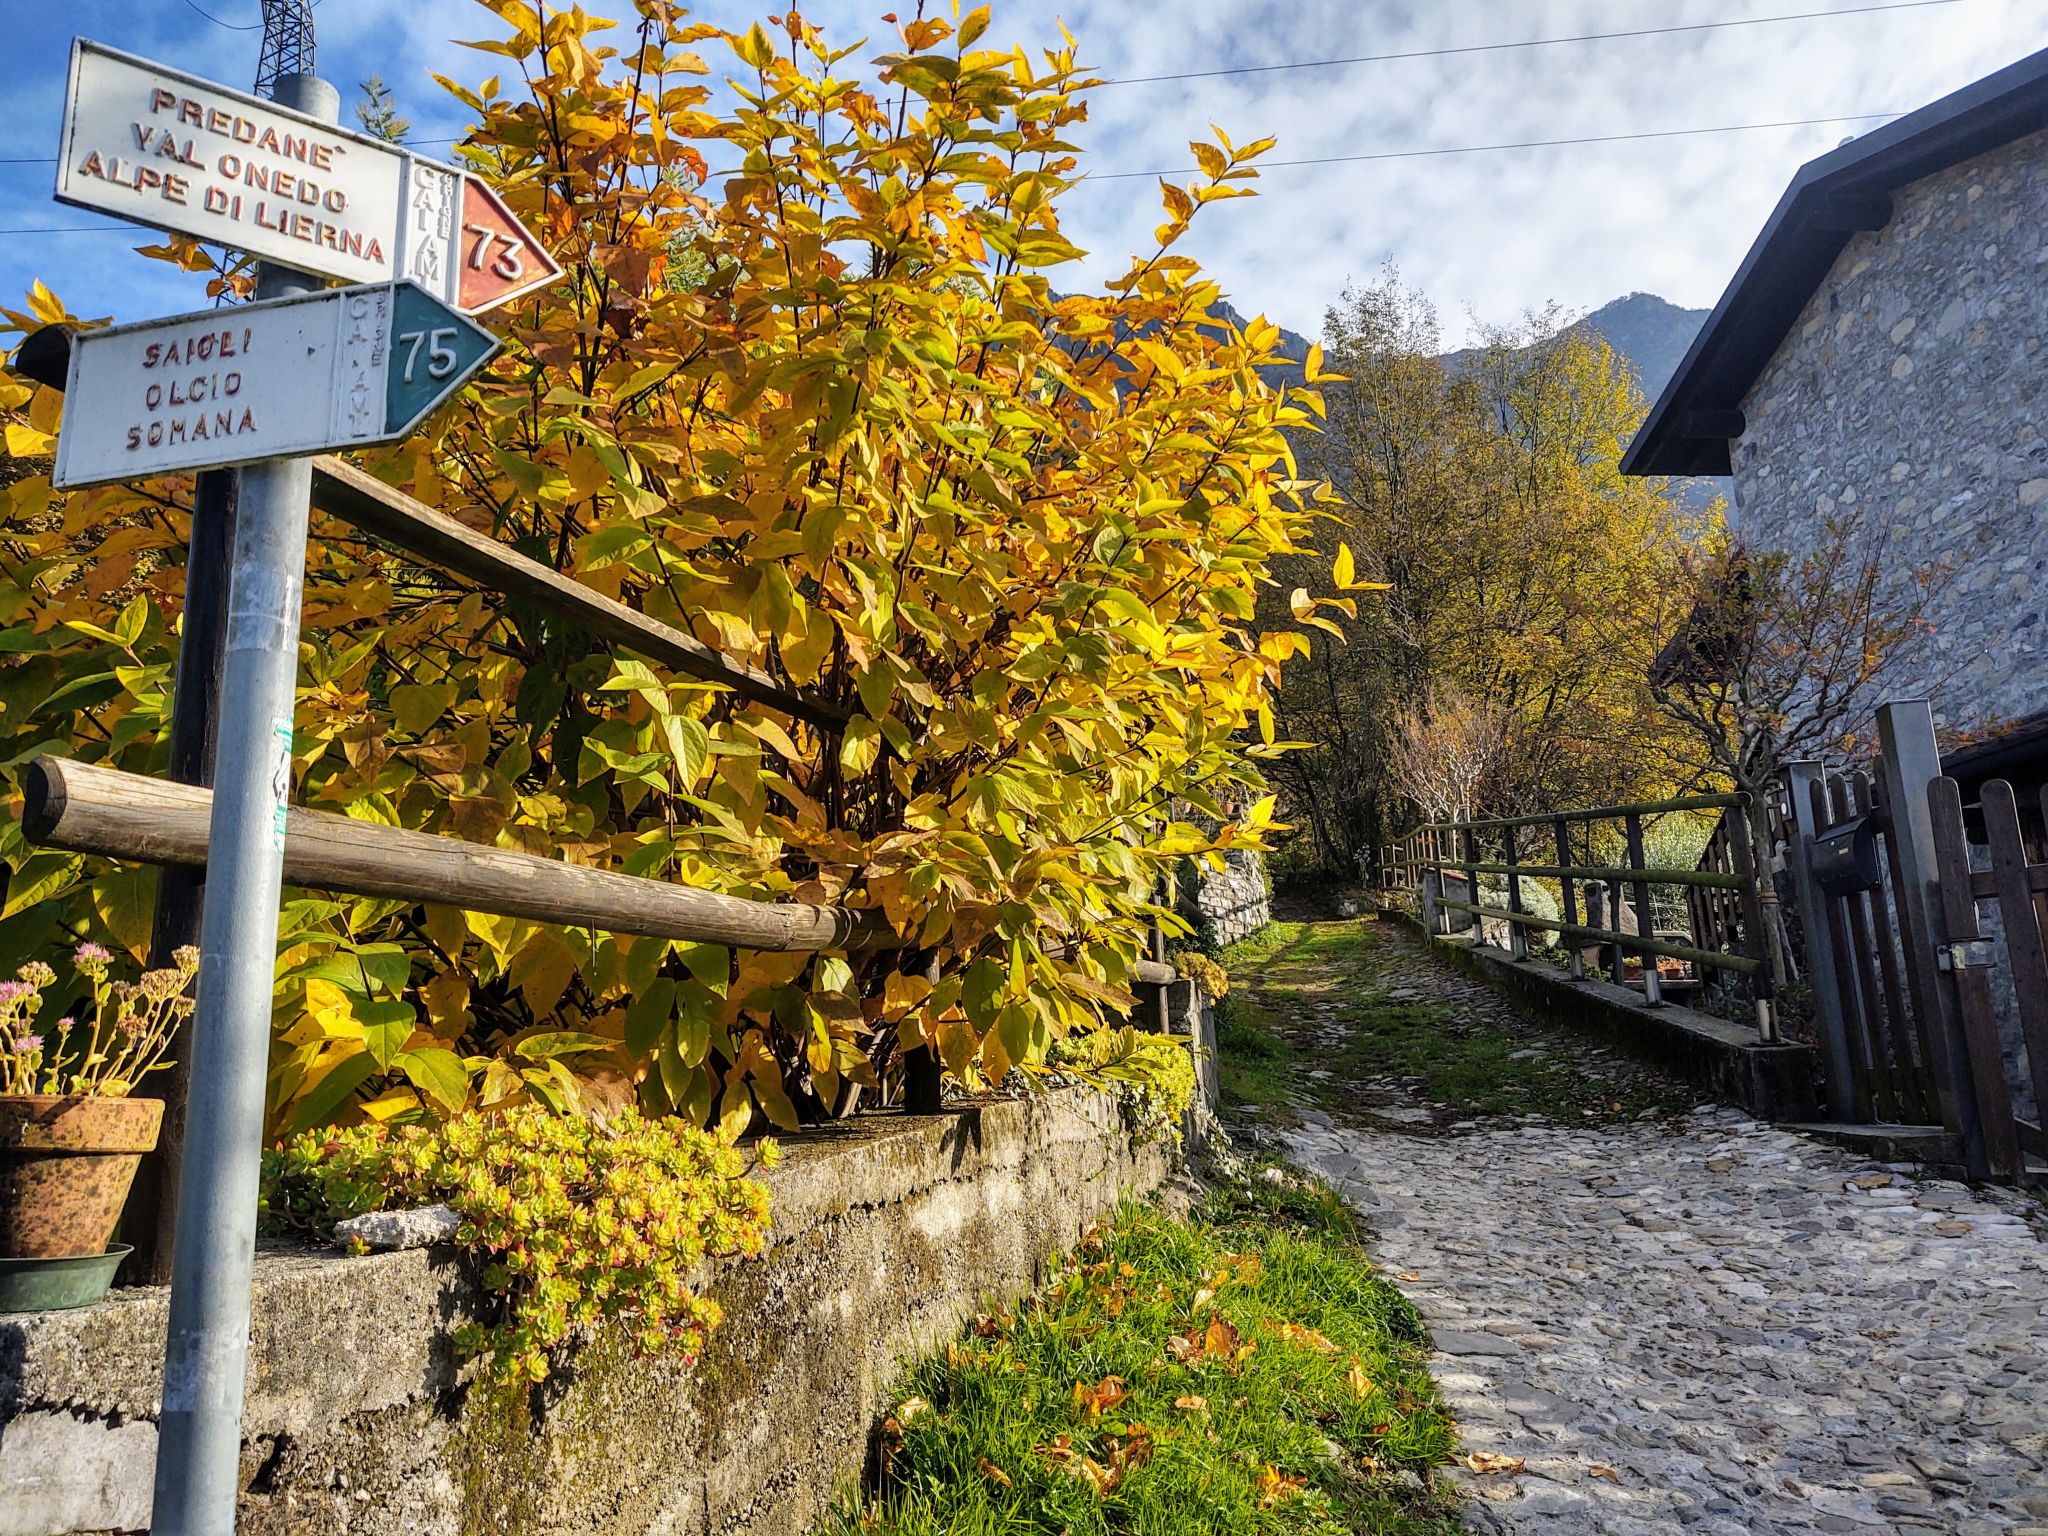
x: 1436, y: 859
x: 85, y: 808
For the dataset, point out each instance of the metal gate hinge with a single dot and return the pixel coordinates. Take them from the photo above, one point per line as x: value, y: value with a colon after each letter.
x: 1966, y: 956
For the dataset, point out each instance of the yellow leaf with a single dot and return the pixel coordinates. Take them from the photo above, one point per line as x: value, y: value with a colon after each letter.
x: 753, y: 47
x: 1343, y: 570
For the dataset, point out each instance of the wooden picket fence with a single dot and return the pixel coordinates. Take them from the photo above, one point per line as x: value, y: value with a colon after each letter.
x: 1914, y: 930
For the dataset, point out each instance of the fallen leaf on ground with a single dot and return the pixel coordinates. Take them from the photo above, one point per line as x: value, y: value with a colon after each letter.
x: 1192, y: 1403
x: 1607, y: 1472
x: 1308, y: 1338
x: 992, y: 1472
x: 1361, y: 1384
x: 1488, y: 1463
x: 1096, y: 1400
x: 1275, y: 1485
x: 908, y: 1410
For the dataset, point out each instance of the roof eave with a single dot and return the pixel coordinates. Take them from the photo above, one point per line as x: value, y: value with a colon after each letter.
x: 1827, y: 202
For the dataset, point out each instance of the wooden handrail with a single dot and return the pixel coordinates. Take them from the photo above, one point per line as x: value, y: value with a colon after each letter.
x: 90, y: 809
x: 85, y: 808
x: 1593, y: 813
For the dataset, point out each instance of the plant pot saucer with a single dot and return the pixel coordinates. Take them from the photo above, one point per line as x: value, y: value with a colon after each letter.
x: 47, y: 1285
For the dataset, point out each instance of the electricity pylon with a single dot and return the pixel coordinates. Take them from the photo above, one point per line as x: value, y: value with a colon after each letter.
x: 287, y: 43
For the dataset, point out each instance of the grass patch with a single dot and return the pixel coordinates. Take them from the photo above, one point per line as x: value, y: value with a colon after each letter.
x: 1294, y: 980
x: 1242, y: 1372
x: 1255, y: 1066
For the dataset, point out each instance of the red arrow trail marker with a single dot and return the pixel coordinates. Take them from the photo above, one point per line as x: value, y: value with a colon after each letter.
x: 164, y: 148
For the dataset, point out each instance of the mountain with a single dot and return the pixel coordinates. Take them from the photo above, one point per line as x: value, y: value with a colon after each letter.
x: 1650, y: 333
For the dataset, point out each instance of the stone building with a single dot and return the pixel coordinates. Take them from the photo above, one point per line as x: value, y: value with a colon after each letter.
x: 1880, y: 354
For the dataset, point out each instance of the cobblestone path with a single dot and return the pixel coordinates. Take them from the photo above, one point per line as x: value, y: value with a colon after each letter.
x: 1697, y: 1323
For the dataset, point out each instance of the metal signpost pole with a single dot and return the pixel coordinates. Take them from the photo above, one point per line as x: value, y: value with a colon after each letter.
x: 206, y: 1351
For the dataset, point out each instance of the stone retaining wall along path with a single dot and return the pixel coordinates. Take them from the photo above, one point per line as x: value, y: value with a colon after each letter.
x: 1703, y: 1324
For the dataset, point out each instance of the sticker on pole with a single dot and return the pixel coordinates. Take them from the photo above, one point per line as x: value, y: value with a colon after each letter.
x: 315, y: 373
x: 164, y: 148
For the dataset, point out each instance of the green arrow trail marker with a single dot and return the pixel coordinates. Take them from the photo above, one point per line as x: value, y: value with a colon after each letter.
x: 314, y: 373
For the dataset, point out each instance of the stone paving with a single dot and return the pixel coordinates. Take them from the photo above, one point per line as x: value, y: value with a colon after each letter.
x: 1704, y: 1324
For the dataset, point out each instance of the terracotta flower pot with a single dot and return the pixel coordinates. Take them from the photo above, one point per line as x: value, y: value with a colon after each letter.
x: 66, y: 1162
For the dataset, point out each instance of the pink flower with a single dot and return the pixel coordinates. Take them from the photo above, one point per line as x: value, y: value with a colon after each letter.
x: 90, y: 956
x: 14, y: 992
x: 28, y: 1043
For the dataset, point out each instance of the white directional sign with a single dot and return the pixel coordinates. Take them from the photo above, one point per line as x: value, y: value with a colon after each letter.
x: 311, y: 374
x: 159, y: 147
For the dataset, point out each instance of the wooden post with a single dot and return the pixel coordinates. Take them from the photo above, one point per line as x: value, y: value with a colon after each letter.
x: 1518, y: 938
x: 1471, y: 851
x: 1653, y: 990
x: 1912, y: 762
x: 150, y: 1220
x: 1965, y: 987
x: 1569, y: 898
x: 1847, y: 1098
x: 1756, y: 920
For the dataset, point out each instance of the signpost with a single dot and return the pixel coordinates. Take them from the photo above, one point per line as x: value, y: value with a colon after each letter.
x: 317, y: 373
x: 158, y: 146
x: 301, y: 371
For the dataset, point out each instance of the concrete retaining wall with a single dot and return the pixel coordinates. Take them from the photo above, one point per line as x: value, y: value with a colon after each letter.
x: 888, y: 1234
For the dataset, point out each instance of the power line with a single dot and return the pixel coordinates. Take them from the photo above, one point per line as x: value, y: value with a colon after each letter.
x: 229, y: 25
x: 1483, y: 149
x: 1534, y: 42
x: 1391, y: 154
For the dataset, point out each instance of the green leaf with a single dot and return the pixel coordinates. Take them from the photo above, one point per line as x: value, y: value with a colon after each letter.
x: 328, y: 1094
x: 415, y: 706
x: 647, y: 1016
x: 39, y: 877
x: 387, y: 1025
x: 124, y: 900
x: 133, y: 620
x: 437, y: 1073
x: 690, y: 745
x: 560, y: 1042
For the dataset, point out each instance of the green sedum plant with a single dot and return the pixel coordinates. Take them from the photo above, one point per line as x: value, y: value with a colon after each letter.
x: 580, y: 1222
x: 1152, y: 1076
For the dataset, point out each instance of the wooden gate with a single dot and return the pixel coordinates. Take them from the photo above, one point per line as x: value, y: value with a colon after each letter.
x: 1999, y: 870
x: 1872, y: 1031
x: 1890, y: 870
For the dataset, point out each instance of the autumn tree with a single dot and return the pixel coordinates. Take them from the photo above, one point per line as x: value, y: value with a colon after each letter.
x: 825, y: 408
x: 1484, y: 490
x: 1771, y: 655
x: 1441, y: 750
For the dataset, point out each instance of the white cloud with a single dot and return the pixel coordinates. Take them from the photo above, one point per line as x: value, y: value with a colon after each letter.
x: 1495, y: 233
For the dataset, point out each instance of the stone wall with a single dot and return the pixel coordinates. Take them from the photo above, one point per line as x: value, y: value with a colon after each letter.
x: 1231, y: 903
x: 888, y: 1234
x: 1912, y: 390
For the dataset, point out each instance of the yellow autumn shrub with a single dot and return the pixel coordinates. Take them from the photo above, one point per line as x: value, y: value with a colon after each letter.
x: 811, y: 389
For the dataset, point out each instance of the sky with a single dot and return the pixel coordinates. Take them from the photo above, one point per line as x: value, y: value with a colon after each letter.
x: 1486, y: 235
